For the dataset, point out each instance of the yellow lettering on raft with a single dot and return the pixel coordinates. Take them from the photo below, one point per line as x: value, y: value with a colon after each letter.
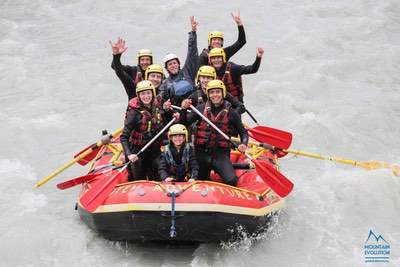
x: 221, y: 190
x: 238, y: 194
x: 157, y: 188
x: 247, y: 196
x: 208, y: 187
x: 230, y: 192
x: 195, y: 188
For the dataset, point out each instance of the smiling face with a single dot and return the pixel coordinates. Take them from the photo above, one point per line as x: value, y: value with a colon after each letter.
x: 178, y: 139
x: 216, y: 62
x: 155, y: 78
x: 146, y: 96
x: 173, y: 66
x: 204, y: 81
x: 216, y: 43
x: 144, y: 62
x: 215, y: 96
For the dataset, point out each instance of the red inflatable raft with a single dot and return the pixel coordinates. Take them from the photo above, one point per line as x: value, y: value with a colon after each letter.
x: 203, y: 211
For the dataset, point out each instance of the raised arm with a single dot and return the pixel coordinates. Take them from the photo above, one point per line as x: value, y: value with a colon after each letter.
x: 251, y: 68
x: 118, y: 49
x: 241, y: 41
x: 192, y: 59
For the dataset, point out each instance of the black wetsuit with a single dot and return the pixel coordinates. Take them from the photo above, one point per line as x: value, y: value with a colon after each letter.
x: 147, y: 164
x: 216, y: 158
x: 188, y: 72
x: 126, y: 74
x: 236, y: 72
x: 229, y: 50
x: 178, y: 165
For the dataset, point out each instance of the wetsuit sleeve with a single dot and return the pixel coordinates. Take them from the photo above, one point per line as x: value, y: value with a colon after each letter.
x: 203, y: 58
x: 193, y: 164
x: 238, y: 70
x: 241, y: 41
x: 236, y: 122
x: 192, y: 59
x: 127, y: 81
x: 132, y: 119
x: 236, y: 104
x: 163, y: 167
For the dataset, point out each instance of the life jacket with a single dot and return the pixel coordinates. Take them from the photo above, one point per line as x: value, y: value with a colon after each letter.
x: 139, y: 76
x: 206, y: 136
x: 178, y: 170
x: 236, y: 90
x: 150, y: 122
x: 199, y: 95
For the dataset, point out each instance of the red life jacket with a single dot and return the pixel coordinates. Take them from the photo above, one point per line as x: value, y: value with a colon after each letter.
x: 236, y: 90
x: 150, y: 123
x: 206, y: 136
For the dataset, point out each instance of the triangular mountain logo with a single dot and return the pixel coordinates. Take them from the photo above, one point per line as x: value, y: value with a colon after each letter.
x: 372, y: 237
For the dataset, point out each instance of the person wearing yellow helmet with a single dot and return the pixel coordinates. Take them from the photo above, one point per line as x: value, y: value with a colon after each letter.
x: 231, y: 73
x: 213, y: 150
x: 178, y: 161
x: 145, y: 117
x: 130, y: 75
x: 216, y: 40
x: 204, y: 75
x: 155, y: 74
x: 180, y: 82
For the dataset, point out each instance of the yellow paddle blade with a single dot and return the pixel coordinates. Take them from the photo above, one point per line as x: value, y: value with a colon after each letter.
x: 373, y: 165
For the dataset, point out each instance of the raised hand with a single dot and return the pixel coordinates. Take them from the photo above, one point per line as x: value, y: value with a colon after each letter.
x: 193, y: 23
x: 186, y: 103
x: 237, y: 18
x: 260, y: 52
x: 118, y: 47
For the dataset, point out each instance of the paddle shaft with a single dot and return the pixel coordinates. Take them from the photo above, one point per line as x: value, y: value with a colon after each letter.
x: 218, y: 130
x: 251, y: 116
x: 106, y: 185
x: 78, y: 158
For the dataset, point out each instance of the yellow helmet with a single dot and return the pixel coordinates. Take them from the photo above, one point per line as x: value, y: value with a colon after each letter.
x: 145, y: 85
x: 215, y: 34
x: 217, y: 52
x: 216, y: 84
x: 207, y: 71
x: 145, y: 52
x: 154, y: 68
x: 178, y: 129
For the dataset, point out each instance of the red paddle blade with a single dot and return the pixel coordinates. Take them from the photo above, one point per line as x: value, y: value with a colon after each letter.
x: 76, y: 181
x: 99, y: 192
x: 90, y: 156
x: 271, y: 136
x: 273, y: 178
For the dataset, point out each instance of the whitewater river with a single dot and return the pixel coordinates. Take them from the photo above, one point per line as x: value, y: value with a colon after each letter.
x: 330, y: 75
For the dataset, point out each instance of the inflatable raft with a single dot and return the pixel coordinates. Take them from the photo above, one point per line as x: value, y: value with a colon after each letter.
x: 202, y: 211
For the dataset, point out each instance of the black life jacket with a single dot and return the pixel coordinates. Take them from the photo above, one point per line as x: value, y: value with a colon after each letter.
x: 179, y: 171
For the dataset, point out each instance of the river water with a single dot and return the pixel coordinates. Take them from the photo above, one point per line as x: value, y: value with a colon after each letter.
x: 330, y: 75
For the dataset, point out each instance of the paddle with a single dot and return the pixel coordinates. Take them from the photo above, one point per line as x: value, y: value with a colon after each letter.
x: 100, y: 191
x: 70, y: 163
x: 251, y: 116
x: 76, y: 181
x: 271, y: 136
x: 368, y: 165
x: 274, y: 179
x: 105, y: 139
